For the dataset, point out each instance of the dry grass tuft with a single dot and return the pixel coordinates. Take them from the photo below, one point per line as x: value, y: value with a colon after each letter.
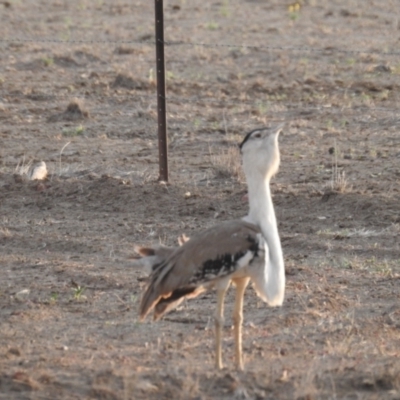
x: 338, y: 182
x: 305, y: 388
x: 227, y: 164
x: 4, y: 233
x: 22, y: 381
x: 128, y: 82
x: 23, y: 167
x: 75, y: 111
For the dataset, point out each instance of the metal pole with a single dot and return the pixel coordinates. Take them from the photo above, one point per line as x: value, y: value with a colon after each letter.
x: 161, y: 102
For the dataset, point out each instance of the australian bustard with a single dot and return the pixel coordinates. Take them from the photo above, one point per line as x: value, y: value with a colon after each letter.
x: 235, y: 251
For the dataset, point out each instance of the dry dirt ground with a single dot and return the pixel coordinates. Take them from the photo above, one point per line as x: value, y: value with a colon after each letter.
x: 68, y: 292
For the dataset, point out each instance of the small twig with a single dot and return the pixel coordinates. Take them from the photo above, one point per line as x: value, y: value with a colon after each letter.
x: 68, y: 143
x: 225, y: 124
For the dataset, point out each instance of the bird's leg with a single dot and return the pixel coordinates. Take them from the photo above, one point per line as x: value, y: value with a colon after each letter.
x: 241, y: 285
x: 222, y: 287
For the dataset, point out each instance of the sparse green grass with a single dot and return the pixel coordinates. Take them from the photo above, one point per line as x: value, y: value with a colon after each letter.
x: 68, y: 22
x: 48, y: 61
x: 373, y: 265
x: 262, y: 107
x: 212, y: 26
x: 66, y: 34
x: 215, y: 125
x: 53, y: 297
x: 294, y: 11
x: 373, y: 152
x: 276, y: 97
x: 82, y: 6
x: 225, y: 9
x: 78, y: 292
x: 346, y: 233
x: 170, y: 75
x: 74, y: 131
x: 304, y: 61
x: 396, y: 69
x: 329, y: 124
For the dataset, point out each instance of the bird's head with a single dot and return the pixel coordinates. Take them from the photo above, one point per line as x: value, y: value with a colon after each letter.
x: 260, y: 151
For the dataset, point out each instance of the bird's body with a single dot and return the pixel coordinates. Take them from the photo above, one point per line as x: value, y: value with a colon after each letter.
x: 224, y: 251
x: 237, y: 251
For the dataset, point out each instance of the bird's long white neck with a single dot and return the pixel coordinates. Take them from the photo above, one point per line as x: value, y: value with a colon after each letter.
x: 262, y: 214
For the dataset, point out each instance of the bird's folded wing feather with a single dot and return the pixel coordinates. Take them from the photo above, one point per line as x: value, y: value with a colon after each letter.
x: 151, y: 257
x: 216, y: 252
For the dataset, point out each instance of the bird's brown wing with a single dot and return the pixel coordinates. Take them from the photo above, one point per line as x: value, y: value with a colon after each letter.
x: 151, y: 257
x: 214, y: 253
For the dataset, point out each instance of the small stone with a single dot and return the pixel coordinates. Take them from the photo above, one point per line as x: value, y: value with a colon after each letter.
x: 146, y: 386
x: 284, y: 377
x: 14, y: 351
x: 382, y: 68
x: 22, y: 294
x: 38, y: 171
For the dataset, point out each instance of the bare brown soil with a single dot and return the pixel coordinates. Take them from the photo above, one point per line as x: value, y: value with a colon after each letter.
x: 68, y: 292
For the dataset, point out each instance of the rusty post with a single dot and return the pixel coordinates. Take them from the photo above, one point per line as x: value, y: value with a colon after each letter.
x: 161, y: 101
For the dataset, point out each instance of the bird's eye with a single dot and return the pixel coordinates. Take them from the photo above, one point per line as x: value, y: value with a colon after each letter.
x: 257, y: 135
